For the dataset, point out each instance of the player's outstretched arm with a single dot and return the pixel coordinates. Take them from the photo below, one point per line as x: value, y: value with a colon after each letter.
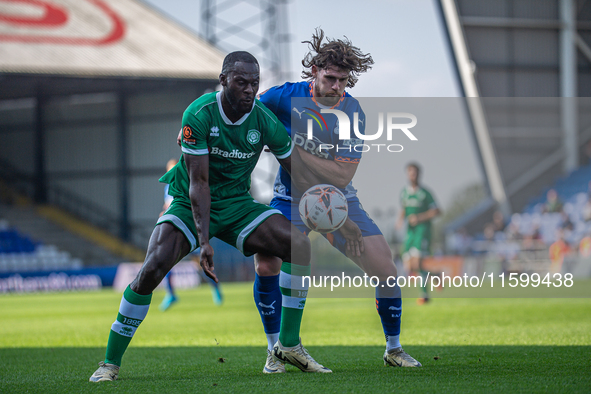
x: 328, y: 171
x: 199, y: 194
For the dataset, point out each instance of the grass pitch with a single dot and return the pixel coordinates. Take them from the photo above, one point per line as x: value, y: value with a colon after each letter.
x: 53, y: 342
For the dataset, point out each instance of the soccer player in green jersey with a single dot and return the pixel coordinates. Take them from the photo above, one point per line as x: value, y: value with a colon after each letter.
x: 418, y: 208
x: 223, y: 136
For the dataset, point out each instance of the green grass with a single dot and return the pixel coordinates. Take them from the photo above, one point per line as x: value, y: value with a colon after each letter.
x: 52, y: 343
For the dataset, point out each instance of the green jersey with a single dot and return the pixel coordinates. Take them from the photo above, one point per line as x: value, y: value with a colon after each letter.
x: 233, y: 148
x: 417, y: 201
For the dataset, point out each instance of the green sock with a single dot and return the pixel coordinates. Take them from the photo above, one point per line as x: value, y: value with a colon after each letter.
x: 293, y: 299
x: 132, y: 311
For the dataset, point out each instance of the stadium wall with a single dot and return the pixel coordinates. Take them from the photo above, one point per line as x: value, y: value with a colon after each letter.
x: 82, y: 148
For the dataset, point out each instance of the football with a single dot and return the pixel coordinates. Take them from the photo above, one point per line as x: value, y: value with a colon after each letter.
x: 323, y: 208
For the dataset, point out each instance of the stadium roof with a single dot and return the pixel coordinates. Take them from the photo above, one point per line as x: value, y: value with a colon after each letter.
x: 115, y: 38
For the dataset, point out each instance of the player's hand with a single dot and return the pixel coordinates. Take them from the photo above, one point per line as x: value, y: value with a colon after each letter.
x: 179, y: 138
x: 206, y: 261
x: 353, y: 236
x: 413, y: 220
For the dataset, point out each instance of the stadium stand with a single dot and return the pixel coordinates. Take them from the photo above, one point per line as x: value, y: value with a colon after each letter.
x: 28, y: 241
x: 573, y: 190
x: 537, y: 226
x: 18, y: 252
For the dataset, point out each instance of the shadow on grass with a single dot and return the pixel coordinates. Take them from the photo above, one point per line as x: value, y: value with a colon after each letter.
x: 356, y: 369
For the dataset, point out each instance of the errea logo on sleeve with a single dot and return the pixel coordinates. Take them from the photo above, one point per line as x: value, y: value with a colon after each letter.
x: 215, y: 132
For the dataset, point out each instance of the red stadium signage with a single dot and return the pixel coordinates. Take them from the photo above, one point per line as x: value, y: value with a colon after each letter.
x: 54, y: 17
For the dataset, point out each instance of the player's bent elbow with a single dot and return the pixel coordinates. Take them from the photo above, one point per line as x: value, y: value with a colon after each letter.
x: 341, y: 183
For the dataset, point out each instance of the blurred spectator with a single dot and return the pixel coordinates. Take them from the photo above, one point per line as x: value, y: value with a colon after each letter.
x: 566, y: 223
x: 553, y: 203
x: 498, y: 221
x: 460, y: 242
x: 585, y: 246
x: 533, y: 240
x: 512, y: 232
x: 558, y: 250
x: 489, y: 232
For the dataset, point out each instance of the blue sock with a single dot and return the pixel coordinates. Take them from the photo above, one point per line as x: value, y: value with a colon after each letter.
x: 205, y: 278
x: 389, y: 306
x: 167, y: 284
x: 267, y: 298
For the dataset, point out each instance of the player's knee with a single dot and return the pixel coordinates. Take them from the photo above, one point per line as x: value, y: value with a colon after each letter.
x: 301, y: 248
x: 267, y: 265
x: 150, y: 275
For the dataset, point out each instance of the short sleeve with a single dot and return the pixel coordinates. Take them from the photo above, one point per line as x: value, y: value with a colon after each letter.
x: 402, y: 199
x: 194, y: 141
x: 271, y: 98
x: 278, y: 140
x: 346, y: 151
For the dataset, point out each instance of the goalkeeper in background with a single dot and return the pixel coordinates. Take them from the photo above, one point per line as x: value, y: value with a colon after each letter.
x: 418, y: 207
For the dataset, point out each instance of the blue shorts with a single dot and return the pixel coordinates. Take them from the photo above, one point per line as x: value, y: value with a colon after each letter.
x: 356, y: 213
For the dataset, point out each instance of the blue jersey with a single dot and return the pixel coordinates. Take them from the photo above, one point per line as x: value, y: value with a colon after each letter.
x: 295, y: 116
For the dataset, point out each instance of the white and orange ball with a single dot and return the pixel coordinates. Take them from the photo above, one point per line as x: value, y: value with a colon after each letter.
x: 323, y: 208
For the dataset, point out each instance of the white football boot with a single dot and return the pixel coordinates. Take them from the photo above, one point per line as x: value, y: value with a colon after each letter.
x: 106, y: 372
x: 297, y: 356
x: 399, y: 358
x: 272, y: 366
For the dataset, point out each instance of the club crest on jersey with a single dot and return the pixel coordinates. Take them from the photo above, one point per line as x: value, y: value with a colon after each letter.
x: 215, y: 132
x: 253, y: 136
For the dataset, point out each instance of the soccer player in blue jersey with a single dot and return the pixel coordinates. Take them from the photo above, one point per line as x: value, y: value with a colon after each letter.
x: 330, y: 67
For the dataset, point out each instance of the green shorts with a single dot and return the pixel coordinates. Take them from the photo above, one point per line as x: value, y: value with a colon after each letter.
x: 418, y: 242
x: 232, y: 220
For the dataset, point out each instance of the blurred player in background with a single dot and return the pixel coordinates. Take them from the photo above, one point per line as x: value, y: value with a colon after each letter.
x: 418, y: 207
x: 223, y: 136
x: 171, y: 298
x: 330, y: 67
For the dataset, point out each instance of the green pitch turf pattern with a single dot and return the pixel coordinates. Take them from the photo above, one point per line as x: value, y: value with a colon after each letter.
x: 53, y: 342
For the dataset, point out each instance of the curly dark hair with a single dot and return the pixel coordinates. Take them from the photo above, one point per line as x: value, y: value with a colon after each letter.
x: 339, y: 53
